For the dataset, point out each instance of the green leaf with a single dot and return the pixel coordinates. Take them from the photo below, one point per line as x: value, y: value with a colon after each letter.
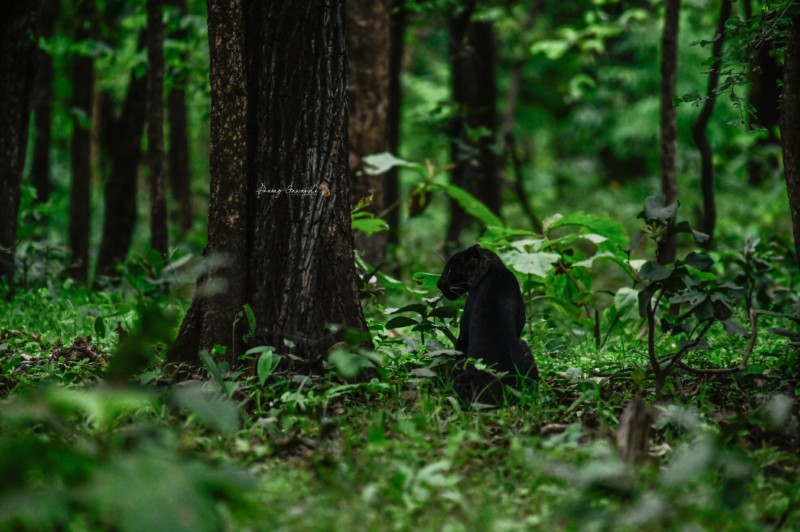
x: 419, y: 308
x: 443, y: 312
x: 266, y: 365
x: 645, y: 295
x: 367, y: 223
x: 734, y: 327
x: 347, y: 364
x: 598, y: 225
x: 401, y: 321
x: 100, y: 327
x: 552, y: 49
x: 654, y: 272
x: 655, y: 209
x: 698, y: 260
x: 214, y: 410
x: 625, y: 301
x: 684, y: 227
x: 427, y: 280
x: 472, y: 205
x: 251, y: 317
x: 532, y: 263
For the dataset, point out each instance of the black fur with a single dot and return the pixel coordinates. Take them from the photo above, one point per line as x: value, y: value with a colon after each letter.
x: 493, y: 319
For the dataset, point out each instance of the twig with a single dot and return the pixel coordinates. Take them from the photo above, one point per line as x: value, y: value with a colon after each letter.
x: 738, y: 367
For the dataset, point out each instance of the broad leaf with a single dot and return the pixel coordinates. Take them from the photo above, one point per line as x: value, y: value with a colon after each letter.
x: 654, y: 272
x: 472, y: 205
x: 655, y: 209
x: 532, y: 263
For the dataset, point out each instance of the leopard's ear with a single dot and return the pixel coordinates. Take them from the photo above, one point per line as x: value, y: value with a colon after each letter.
x: 476, y: 248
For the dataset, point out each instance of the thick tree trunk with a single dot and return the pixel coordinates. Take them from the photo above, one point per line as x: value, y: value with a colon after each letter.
x: 368, y: 97
x: 43, y: 102
x: 669, y: 75
x: 790, y: 127
x: 301, y: 274
x: 17, y: 49
x: 279, y: 216
x: 178, y: 154
x: 125, y: 151
x: 155, y: 125
x: 473, y: 60
x: 81, y: 149
x: 397, y: 36
x: 709, y: 216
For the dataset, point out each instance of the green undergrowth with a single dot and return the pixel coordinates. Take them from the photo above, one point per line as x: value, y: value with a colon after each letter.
x: 394, y: 450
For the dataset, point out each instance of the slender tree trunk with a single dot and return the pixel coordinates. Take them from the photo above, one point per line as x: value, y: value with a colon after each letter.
x: 178, y: 154
x: 506, y: 133
x: 80, y: 197
x: 17, y: 49
x: 155, y: 125
x: 764, y: 96
x: 222, y: 288
x: 125, y: 152
x: 790, y: 127
x: 368, y: 97
x: 709, y: 216
x: 43, y: 102
x: 397, y: 36
x: 669, y: 74
x: 279, y: 223
x: 473, y: 59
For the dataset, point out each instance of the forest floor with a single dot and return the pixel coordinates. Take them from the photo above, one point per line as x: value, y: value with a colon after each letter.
x: 224, y: 449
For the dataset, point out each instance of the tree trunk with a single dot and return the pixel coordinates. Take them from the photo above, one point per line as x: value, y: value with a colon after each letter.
x: 43, y: 102
x: 669, y: 75
x: 368, y: 97
x: 397, y: 34
x: 178, y: 155
x: 81, y: 149
x: 125, y: 151
x: 790, y: 127
x: 17, y: 50
x: 764, y: 96
x: 155, y: 125
x: 279, y: 223
x: 221, y: 289
x: 473, y: 59
x: 709, y: 216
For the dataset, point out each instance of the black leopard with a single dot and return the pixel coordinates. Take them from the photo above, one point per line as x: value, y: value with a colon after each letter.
x: 493, y: 319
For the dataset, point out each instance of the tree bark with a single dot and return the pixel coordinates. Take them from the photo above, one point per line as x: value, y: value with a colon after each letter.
x: 301, y: 274
x: 790, y: 127
x: 669, y: 74
x: 397, y: 34
x: 473, y: 59
x: 155, y: 125
x: 368, y: 38
x: 709, y: 215
x: 125, y: 151
x: 81, y: 149
x: 221, y: 289
x: 178, y: 153
x: 279, y: 223
x: 43, y: 102
x: 17, y: 50
x: 764, y: 97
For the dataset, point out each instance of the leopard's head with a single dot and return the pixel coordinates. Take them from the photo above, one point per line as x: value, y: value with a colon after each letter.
x: 464, y: 268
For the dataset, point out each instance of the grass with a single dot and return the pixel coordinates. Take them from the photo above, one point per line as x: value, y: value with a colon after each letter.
x: 394, y: 453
